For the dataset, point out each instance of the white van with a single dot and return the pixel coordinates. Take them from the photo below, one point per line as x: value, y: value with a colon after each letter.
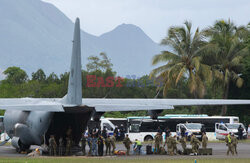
x: 190, y: 128
x: 104, y: 122
x: 223, y: 129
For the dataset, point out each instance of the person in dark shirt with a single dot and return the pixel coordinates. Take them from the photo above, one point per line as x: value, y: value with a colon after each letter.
x: 104, y: 132
x: 122, y: 132
x: 240, y: 132
x: 167, y: 131
x: 203, y: 129
x: 159, y: 130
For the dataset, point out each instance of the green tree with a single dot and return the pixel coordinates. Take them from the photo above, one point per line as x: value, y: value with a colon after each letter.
x: 39, y: 75
x: 183, y: 61
x: 224, y: 54
x: 15, y: 75
x: 97, y: 63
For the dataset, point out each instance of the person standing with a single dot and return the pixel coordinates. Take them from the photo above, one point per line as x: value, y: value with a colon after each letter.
x: 195, y: 144
x: 240, y: 132
x: 108, y: 145
x: 122, y: 132
x: 158, y: 142
x: 52, y: 146
x: 61, y: 144
x: 204, y: 140
x: 94, y: 145
x: 116, y: 132
x: 169, y: 145
x: 68, y: 146
x: 83, y: 142
x: 203, y: 129
x: 113, y: 140
x: 89, y: 140
x: 228, y: 141
x: 168, y: 133
x: 104, y: 132
x: 234, y: 143
x: 174, y: 144
x: 100, y: 145
x: 127, y: 142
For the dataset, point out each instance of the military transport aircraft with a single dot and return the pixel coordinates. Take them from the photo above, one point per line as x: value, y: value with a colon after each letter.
x: 28, y: 120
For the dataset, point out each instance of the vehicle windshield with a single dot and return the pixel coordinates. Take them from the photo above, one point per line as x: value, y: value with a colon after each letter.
x: 194, y: 126
x: 234, y: 126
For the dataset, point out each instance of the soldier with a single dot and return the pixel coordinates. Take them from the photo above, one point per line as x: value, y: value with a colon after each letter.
x: 108, y: 145
x: 169, y: 145
x: 234, y: 143
x: 158, y: 142
x: 89, y: 140
x: 183, y: 142
x: 100, y: 145
x: 83, y: 142
x: 195, y: 144
x: 68, y: 146
x: 52, y: 145
x: 174, y: 143
x: 61, y: 143
x: 127, y: 143
x: 113, y: 139
x: 204, y: 140
x: 228, y: 141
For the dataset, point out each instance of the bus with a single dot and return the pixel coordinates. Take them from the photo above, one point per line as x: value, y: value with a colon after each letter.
x: 145, y: 128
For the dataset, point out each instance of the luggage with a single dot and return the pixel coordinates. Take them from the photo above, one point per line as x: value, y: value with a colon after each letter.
x: 149, y: 150
x: 207, y: 151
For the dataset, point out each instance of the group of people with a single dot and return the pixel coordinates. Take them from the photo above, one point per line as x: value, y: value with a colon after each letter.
x: 53, y: 145
x: 171, y: 143
x: 96, y: 140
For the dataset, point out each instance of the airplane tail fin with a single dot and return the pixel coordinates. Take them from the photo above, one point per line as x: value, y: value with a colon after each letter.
x: 74, y: 95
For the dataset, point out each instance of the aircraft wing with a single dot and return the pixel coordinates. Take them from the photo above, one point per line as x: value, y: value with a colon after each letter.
x: 31, y: 104
x: 104, y: 105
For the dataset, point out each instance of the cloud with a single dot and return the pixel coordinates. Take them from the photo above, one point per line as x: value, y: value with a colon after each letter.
x: 153, y: 16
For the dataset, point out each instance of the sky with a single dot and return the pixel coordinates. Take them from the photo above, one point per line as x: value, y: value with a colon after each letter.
x: 154, y: 17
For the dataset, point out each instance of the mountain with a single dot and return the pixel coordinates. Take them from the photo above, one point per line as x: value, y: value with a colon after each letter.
x: 35, y: 34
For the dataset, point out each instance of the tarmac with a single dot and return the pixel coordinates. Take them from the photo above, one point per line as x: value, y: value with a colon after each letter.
x: 219, y: 151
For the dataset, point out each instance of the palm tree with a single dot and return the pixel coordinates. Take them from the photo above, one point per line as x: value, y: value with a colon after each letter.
x: 225, y: 51
x: 183, y: 60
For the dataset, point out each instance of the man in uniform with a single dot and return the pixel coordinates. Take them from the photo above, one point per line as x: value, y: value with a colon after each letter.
x: 195, y: 144
x: 158, y: 142
x: 68, y: 146
x: 113, y: 139
x: 169, y: 145
x: 127, y: 143
x: 228, y: 141
x: 61, y: 144
x: 108, y: 145
x: 204, y: 140
x: 234, y: 143
x: 183, y: 143
x: 174, y: 144
x: 83, y: 142
x: 100, y: 145
x: 52, y: 145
